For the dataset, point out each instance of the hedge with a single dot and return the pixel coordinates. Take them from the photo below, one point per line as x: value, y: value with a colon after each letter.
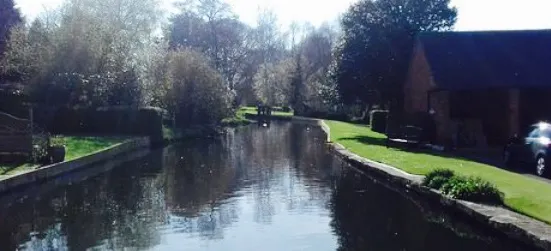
x: 145, y: 121
x: 378, y: 120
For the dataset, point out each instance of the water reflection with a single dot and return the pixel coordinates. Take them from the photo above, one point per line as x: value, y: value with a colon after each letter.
x: 370, y: 216
x: 269, y: 188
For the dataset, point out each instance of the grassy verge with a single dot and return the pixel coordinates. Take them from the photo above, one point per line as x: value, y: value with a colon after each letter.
x: 523, y: 194
x: 239, y: 118
x: 75, y: 147
x: 252, y: 110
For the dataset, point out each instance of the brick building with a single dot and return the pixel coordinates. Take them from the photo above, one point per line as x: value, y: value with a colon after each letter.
x: 480, y: 87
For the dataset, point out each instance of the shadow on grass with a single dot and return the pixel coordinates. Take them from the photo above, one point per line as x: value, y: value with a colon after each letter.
x: 487, y: 157
x: 368, y: 140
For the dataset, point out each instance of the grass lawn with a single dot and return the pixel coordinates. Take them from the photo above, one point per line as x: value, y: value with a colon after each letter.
x: 252, y: 110
x: 523, y: 194
x: 239, y: 118
x: 80, y: 146
x: 75, y: 147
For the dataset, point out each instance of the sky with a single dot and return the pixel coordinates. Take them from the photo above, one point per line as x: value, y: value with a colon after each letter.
x: 472, y: 14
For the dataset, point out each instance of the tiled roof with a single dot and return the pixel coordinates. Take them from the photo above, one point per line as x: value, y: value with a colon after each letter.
x: 489, y: 59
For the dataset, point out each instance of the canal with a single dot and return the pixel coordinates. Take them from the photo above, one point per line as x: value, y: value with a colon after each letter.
x: 255, y: 188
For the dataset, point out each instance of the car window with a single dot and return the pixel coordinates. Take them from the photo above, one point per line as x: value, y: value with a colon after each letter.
x: 546, y: 133
x: 534, y: 133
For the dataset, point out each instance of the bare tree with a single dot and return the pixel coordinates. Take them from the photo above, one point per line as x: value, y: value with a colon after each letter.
x: 271, y: 83
x: 211, y: 27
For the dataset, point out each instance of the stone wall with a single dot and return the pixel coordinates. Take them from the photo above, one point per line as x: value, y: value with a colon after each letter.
x: 51, y: 171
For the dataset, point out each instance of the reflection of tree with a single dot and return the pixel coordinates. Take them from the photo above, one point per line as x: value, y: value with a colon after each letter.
x: 367, y: 216
x: 105, y: 210
x: 200, y: 180
x: 311, y: 166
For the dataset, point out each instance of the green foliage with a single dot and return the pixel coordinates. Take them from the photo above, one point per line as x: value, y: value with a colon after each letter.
x: 89, y: 58
x: 472, y: 189
x: 462, y: 187
x: 446, y: 173
x: 373, y: 57
x: 378, y: 120
x: 238, y: 119
x: 146, y: 121
x: 193, y: 91
x: 57, y: 140
x: 40, y: 148
x: 9, y: 18
x: 253, y: 111
x: 437, y: 178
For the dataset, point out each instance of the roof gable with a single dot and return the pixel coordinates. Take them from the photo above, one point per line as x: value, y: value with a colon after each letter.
x: 473, y: 60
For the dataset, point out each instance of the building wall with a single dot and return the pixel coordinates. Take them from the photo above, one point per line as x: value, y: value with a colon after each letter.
x: 418, y: 97
x: 418, y: 82
x: 514, y: 112
x: 482, y: 117
x: 440, y: 104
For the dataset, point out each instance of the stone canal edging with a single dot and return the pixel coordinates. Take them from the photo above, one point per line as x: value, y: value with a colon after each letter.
x: 514, y: 225
x: 57, y: 169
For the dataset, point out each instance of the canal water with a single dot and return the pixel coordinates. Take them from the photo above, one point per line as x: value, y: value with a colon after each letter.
x: 255, y: 188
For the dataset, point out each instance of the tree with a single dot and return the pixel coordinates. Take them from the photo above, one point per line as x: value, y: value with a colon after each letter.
x: 271, y: 83
x: 312, y: 57
x: 373, y: 56
x: 9, y: 17
x: 184, y: 83
x: 88, y: 54
x: 211, y: 27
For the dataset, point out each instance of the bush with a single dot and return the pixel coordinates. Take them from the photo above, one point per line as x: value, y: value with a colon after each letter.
x: 437, y: 178
x: 463, y: 188
x: 437, y: 182
x: 196, y: 93
x: 378, y: 120
x: 472, y: 189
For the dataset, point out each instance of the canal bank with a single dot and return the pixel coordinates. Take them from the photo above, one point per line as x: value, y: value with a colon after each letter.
x: 514, y: 225
x: 237, y: 192
x: 55, y: 170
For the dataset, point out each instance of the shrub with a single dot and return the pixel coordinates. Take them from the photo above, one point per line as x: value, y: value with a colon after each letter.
x: 437, y: 182
x: 437, y: 178
x: 463, y: 188
x: 195, y: 92
x: 378, y: 120
x: 472, y: 189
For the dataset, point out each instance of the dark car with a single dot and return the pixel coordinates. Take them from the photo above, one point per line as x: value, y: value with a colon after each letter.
x: 531, y: 150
